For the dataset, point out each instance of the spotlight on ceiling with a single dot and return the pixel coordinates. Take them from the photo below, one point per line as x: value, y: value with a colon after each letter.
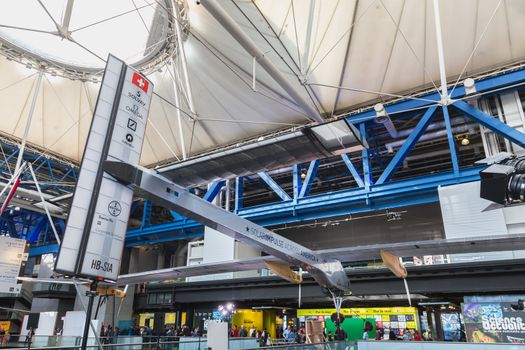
x: 470, y: 86
x: 303, y: 174
x: 463, y: 139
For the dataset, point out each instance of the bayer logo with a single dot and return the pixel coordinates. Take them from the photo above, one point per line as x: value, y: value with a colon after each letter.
x: 114, y: 208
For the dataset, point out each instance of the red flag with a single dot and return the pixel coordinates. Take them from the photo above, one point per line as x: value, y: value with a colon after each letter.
x: 140, y: 81
x: 10, y: 195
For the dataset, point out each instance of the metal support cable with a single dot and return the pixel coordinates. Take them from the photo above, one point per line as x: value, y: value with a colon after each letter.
x: 476, y: 46
x: 301, y: 81
x: 51, y: 17
x: 205, y: 118
x: 27, y: 29
x: 59, y: 99
x: 296, y: 36
x: 391, y: 51
x: 179, y: 117
x: 310, y: 71
x: 398, y: 29
x: 374, y: 92
x: 245, y: 41
x: 86, y: 49
x: 345, y: 61
x: 44, y: 204
x: 238, y: 75
x: 150, y: 121
x: 213, y: 50
x: 332, y: 15
x: 17, y: 82
x: 109, y: 18
x: 141, y: 18
x: 6, y: 162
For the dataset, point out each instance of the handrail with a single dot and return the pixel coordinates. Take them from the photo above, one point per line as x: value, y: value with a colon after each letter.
x: 297, y: 345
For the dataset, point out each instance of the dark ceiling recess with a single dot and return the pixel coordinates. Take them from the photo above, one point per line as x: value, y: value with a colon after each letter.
x: 413, y: 223
x: 310, y: 143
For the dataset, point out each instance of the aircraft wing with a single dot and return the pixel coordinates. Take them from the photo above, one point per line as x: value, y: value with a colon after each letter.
x: 428, y: 247
x: 347, y: 255
x: 54, y: 280
x: 196, y: 270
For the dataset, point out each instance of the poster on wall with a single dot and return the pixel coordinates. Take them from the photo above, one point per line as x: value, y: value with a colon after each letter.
x: 4, y: 326
x: 388, y: 318
x: 494, y: 322
x: 385, y: 317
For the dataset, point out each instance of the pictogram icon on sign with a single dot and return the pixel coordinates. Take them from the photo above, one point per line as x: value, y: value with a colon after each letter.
x: 129, y: 138
x: 114, y: 208
x: 132, y: 124
x: 139, y: 81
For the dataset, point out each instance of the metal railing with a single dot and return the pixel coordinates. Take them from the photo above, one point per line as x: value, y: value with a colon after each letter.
x: 333, y: 345
x: 192, y: 343
x: 147, y: 342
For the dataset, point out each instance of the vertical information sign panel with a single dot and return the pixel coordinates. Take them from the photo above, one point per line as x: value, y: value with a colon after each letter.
x: 97, y: 223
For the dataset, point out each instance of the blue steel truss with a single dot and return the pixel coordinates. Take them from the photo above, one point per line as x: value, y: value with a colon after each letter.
x: 374, y: 180
x: 370, y: 192
x: 56, y: 177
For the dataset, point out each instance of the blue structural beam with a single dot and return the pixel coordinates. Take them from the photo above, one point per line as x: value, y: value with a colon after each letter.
x: 509, y: 79
x: 368, y: 196
x: 390, y: 195
x: 365, y: 155
x: 407, y: 146
x: 43, y: 249
x: 146, y: 214
x: 213, y: 191
x: 274, y: 186
x: 491, y: 123
x: 451, y: 143
x: 164, y: 238
x: 296, y: 181
x: 8, y: 158
x: 396, y: 189
x: 352, y: 170
x: 35, y: 232
x: 309, y: 179
x: 239, y: 192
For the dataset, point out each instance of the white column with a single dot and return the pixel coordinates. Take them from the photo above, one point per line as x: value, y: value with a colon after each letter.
x: 177, y: 106
x: 441, y: 56
x: 29, y: 120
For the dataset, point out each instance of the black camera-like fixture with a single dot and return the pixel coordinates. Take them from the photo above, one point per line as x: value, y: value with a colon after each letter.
x: 519, y: 306
x: 503, y: 181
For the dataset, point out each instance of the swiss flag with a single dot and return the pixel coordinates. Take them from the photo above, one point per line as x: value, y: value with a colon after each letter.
x: 141, y: 82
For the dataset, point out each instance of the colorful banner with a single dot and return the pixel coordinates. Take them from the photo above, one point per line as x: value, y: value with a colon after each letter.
x: 359, y: 312
x: 494, y: 322
x: 5, y: 325
x: 395, y: 318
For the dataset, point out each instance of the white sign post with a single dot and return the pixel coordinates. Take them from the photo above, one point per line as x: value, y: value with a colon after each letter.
x: 97, y: 223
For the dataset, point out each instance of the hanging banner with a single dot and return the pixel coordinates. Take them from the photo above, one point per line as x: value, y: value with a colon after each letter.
x: 97, y: 223
x: 11, y: 258
x: 494, y: 322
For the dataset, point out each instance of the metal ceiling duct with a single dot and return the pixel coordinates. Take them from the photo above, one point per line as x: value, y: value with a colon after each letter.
x: 244, y: 40
x: 300, y: 146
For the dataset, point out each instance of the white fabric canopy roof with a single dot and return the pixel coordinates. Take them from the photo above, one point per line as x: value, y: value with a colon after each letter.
x: 385, y: 46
